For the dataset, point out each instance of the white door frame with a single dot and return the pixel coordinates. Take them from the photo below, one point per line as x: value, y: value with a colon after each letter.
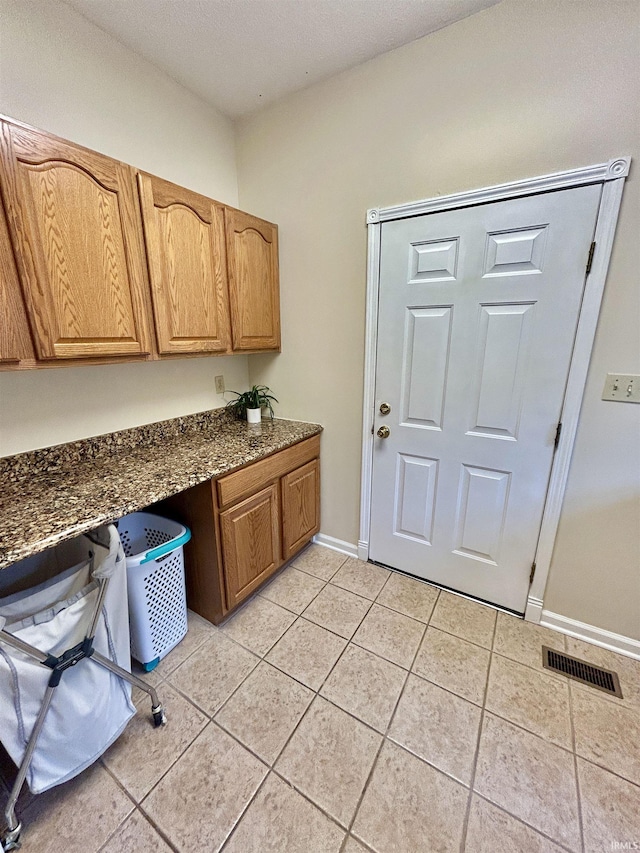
x: 611, y: 175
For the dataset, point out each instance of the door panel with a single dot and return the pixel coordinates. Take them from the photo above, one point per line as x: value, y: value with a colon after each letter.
x: 425, y: 358
x: 478, y: 309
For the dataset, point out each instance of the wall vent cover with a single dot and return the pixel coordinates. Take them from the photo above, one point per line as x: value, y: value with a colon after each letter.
x: 602, y: 679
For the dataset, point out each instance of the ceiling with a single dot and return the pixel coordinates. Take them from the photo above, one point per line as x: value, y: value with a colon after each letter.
x: 242, y: 54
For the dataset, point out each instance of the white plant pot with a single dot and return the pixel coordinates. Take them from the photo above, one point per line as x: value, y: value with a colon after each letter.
x: 254, y: 416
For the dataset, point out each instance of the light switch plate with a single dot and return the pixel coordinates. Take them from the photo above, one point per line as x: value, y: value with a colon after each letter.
x: 622, y: 387
x: 219, y: 384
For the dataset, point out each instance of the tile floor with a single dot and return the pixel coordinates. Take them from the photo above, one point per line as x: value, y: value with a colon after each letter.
x: 348, y: 708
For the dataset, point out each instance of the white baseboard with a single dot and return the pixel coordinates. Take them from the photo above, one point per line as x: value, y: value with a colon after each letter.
x: 336, y: 544
x: 590, y: 634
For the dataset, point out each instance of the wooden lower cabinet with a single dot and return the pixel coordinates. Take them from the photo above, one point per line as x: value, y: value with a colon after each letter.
x: 246, y: 525
x: 300, y: 507
x: 250, y: 543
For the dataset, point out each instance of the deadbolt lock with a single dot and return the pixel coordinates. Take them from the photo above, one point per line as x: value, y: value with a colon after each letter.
x: 384, y: 432
x: 385, y: 408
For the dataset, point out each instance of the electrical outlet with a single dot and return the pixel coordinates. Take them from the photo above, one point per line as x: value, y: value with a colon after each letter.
x: 622, y: 387
x: 219, y: 384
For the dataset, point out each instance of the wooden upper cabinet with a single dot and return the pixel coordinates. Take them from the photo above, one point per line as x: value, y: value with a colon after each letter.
x: 186, y: 255
x: 15, y: 339
x: 252, y: 260
x: 75, y: 227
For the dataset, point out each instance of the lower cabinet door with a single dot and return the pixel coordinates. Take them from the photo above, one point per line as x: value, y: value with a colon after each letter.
x: 250, y: 543
x: 300, y: 507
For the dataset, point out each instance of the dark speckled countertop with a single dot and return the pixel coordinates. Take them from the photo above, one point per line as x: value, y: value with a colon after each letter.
x: 51, y: 495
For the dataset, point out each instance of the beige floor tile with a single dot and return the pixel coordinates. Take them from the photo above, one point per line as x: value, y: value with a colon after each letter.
x: 258, y: 625
x: 213, y: 672
x: 390, y: 635
x: 292, y: 589
x: 264, y: 711
x: 152, y: 678
x: 610, y: 808
x: 78, y: 816
x: 280, y: 819
x: 408, y: 596
x: 523, y: 641
x: 199, y: 801
x: 366, y: 686
x: 467, y: 619
x: 8, y: 773
x: 198, y: 631
x: 361, y: 577
x: 490, y: 830
x: 354, y: 846
x: 606, y: 733
x: 534, y: 700
x: 136, y: 835
x: 320, y: 561
x: 530, y: 778
x: 307, y: 652
x: 338, y: 610
x: 329, y: 758
x: 627, y: 668
x: 409, y: 806
x: 437, y: 726
x: 454, y: 664
x: 143, y: 754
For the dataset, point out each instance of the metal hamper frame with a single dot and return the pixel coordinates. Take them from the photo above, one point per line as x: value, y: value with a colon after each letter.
x: 10, y: 836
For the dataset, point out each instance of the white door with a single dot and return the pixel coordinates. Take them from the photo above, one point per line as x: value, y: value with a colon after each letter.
x: 478, y: 310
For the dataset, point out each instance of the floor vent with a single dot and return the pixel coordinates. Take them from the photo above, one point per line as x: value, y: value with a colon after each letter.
x: 595, y: 676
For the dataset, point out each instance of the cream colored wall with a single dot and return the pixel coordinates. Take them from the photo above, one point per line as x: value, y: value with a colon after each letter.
x: 522, y: 89
x: 61, y: 73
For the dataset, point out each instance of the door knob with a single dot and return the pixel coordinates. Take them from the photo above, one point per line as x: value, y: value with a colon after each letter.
x: 385, y: 408
x: 384, y: 432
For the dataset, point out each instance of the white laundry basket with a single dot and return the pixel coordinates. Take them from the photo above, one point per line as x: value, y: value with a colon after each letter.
x: 155, y: 584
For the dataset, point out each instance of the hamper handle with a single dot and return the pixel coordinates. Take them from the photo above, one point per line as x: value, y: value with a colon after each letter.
x: 167, y: 548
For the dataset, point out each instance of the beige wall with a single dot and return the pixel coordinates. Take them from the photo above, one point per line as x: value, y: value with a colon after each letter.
x: 60, y: 73
x: 522, y: 89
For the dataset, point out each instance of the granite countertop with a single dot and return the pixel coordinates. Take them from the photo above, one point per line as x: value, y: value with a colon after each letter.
x: 51, y: 495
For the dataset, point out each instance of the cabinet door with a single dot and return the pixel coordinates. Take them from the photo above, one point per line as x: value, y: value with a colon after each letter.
x: 76, y: 231
x: 15, y: 340
x: 184, y: 233
x: 300, y: 507
x: 250, y: 543
x: 254, y: 289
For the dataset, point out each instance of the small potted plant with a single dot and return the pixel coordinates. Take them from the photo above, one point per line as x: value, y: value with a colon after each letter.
x: 249, y: 404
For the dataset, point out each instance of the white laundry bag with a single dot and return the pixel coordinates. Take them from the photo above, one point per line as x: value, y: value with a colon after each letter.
x: 90, y: 706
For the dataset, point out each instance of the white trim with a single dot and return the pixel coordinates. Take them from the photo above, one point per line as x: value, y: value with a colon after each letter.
x: 590, y: 634
x: 610, y: 171
x: 336, y: 544
x: 611, y: 175
x: 585, y: 335
x: 368, y: 405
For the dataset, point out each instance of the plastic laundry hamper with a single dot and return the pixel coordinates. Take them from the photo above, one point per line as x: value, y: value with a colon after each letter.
x: 155, y: 584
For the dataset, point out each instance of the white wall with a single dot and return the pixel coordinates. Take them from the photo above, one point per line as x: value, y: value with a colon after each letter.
x: 63, y: 74
x: 522, y: 89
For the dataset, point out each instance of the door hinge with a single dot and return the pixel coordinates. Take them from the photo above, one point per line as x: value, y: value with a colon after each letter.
x: 556, y: 440
x: 592, y: 249
x: 533, y: 571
